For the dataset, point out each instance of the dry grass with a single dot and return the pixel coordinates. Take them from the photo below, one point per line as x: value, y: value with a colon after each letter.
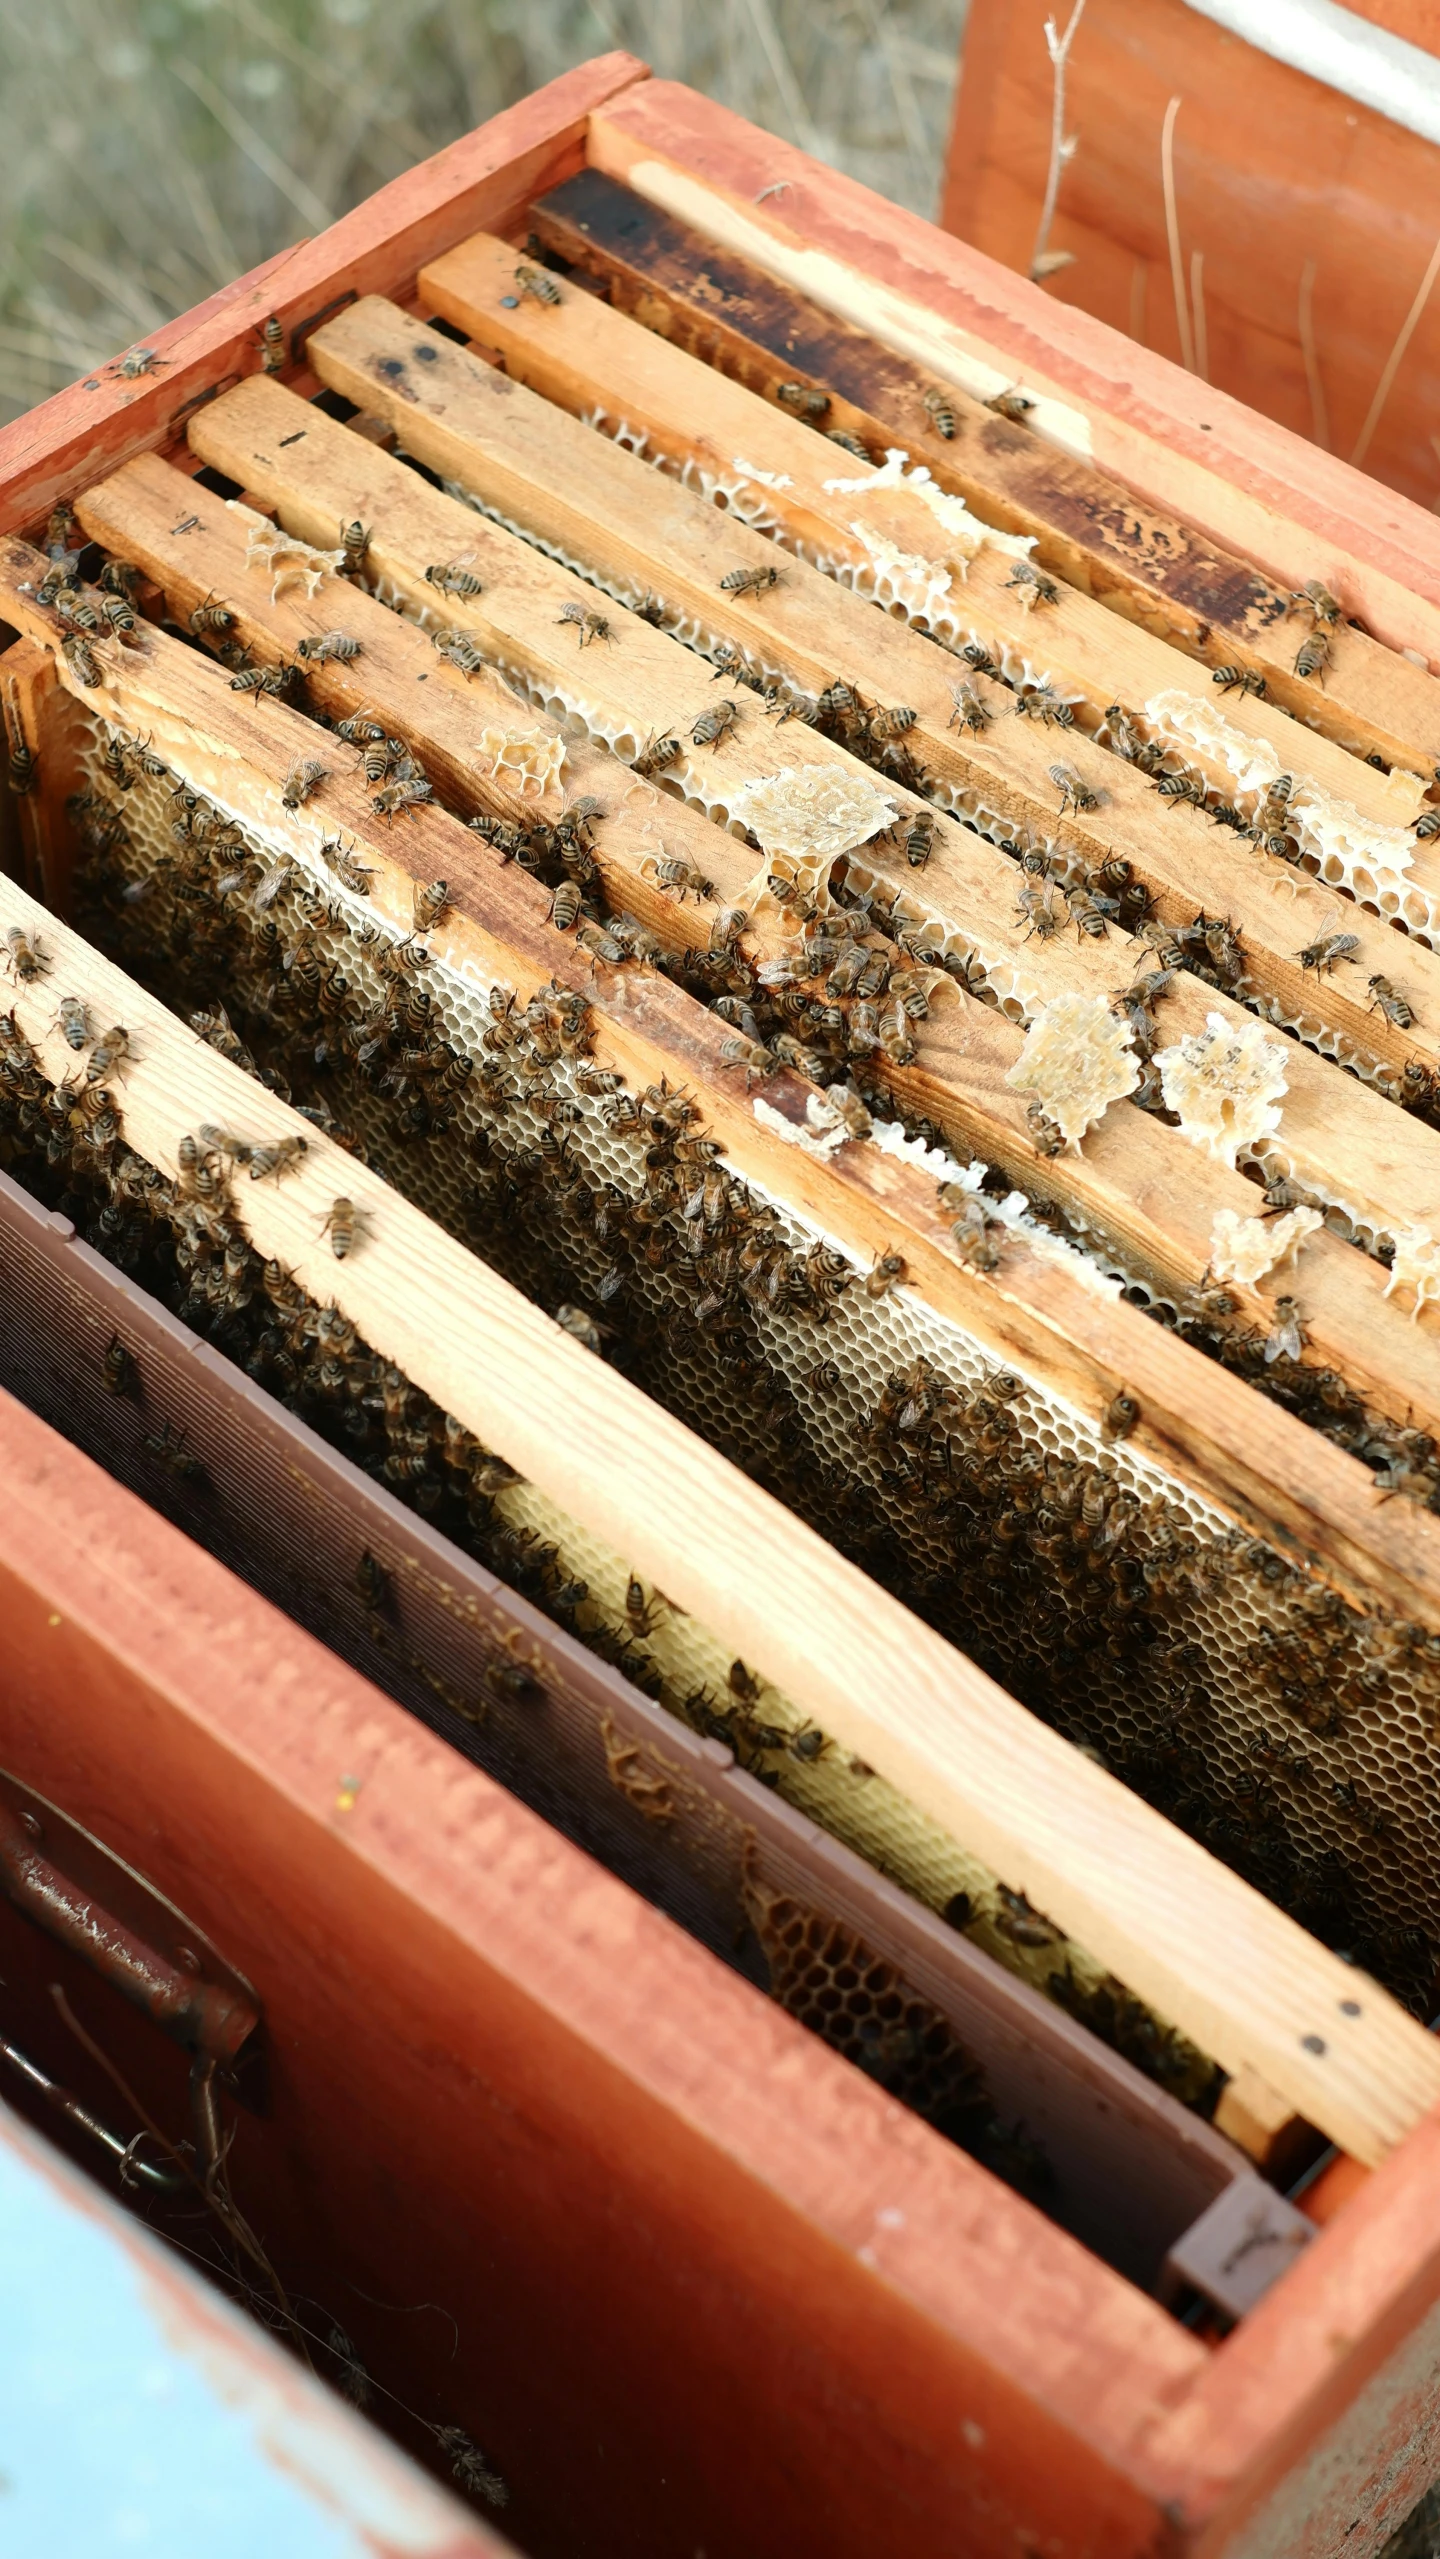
x: 153, y: 149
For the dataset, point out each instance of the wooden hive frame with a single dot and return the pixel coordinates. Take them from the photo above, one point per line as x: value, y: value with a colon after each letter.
x: 1254, y: 2438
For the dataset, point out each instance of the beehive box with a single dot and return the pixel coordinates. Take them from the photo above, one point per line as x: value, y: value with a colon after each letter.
x: 833, y: 1136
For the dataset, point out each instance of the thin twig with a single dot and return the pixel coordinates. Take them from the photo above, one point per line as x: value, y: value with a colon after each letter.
x: 1043, y: 261
x: 1319, y: 417
x: 1172, y: 233
x: 1197, y: 308
x: 782, y: 73
x: 1395, y: 358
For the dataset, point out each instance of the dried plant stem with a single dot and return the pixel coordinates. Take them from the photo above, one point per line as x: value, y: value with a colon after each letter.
x: 1197, y: 309
x: 1172, y: 234
x: 1395, y: 358
x: 1062, y: 149
x: 1319, y: 416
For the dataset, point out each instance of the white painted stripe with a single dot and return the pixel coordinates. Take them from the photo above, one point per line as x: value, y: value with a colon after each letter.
x: 1330, y: 43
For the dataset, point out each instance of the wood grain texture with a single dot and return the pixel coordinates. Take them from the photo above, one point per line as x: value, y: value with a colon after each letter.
x: 1088, y: 528
x: 1249, y: 484
x: 1272, y: 168
x: 533, y: 462
x: 1202, y: 1424
x: 95, y: 424
x: 650, y: 2196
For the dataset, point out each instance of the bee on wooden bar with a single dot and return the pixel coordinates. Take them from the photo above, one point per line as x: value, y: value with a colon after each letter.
x: 139, y: 360
x: 565, y: 906
x: 120, y: 577
x: 168, y: 1446
x: 847, y: 442
x: 354, y: 543
x: 967, y: 710
x: 919, y: 839
x: 458, y: 649
x: 305, y: 775
x: 1035, y: 588
x: 1011, y: 404
x: 210, y: 616
x: 429, y: 899
x: 342, y: 860
x: 714, y: 724
x: 410, y: 791
x: 1182, y: 790
x: 283, y: 1156
x: 360, y: 730
x: 805, y: 402
x: 453, y: 578
x: 277, y: 681
x: 73, y: 1022
x: 1313, y: 654
x: 895, y: 722
x: 326, y: 647
x: 672, y: 871
x: 1427, y: 825
x: 1042, y: 909
x: 749, y: 581
x: 1023, y: 1925
x: 23, y: 766
x: 540, y: 286
x: 753, y: 1055
x: 345, y: 1226
x: 1043, y: 703
x: 1239, y: 679
x: 1387, y: 999
x: 272, y: 345
x: 1287, y: 1336
x: 108, y: 1053
x: 119, y: 613
x: 1316, y: 600
x: 886, y: 1273
x: 1322, y: 954
x: 26, y: 960
x: 599, y: 945
x: 119, y: 1371
x: 1120, y: 1416
x: 82, y: 661
x: 942, y: 415
x: 1074, y: 793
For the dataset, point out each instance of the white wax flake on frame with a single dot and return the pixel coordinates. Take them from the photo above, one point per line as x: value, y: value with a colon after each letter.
x: 1224, y: 1085
x: 1078, y: 1058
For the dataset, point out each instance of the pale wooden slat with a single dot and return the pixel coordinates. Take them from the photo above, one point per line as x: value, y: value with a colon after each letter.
x: 1244, y: 1981
x: 1340, y: 1138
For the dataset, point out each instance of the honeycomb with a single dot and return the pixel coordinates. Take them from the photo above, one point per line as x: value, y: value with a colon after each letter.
x: 1295, y: 1737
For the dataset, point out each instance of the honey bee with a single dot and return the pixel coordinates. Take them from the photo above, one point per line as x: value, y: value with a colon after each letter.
x: 428, y: 901
x: 1388, y: 1000
x: 656, y: 753
x: 210, y: 616
x: 672, y: 871
x: 714, y: 723
x: 139, y: 360
x: 1120, y: 1415
x: 942, y: 416
x: 109, y: 1052
x: 282, y: 1156
x: 77, y: 609
x: 305, y: 775
x: 1239, y: 679
x: 272, y: 345
x: 1313, y: 654
x: 82, y: 661
x: 453, y: 578
x: 919, y: 839
x: 581, y: 1327
x: 1427, y: 825
x: 565, y: 906
x: 1287, y: 1336
x: 1322, y: 954
x: 345, y: 1225
x: 1317, y: 601
x: 847, y: 442
x: 121, y: 577
x: 73, y: 1020
x: 968, y: 711
x: 1180, y: 790
x: 409, y: 791
x: 1011, y: 404
x: 360, y: 731
x: 540, y: 286
x: 1035, y: 588
x: 886, y: 1273
x: 168, y: 1447
x: 749, y: 581
x: 26, y: 960
x: 1043, y: 703
x: 458, y: 649
x: 119, y: 1370
x: 1022, y: 1924
x: 892, y: 723
x: 1074, y: 793
x: 120, y: 614
x: 354, y: 543
x: 753, y: 1055
x: 352, y: 874
x: 599, y: 945
x: 324, y: 648
x: 258, y: 680
x: 1042, y: 909
x: 803, y: 399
